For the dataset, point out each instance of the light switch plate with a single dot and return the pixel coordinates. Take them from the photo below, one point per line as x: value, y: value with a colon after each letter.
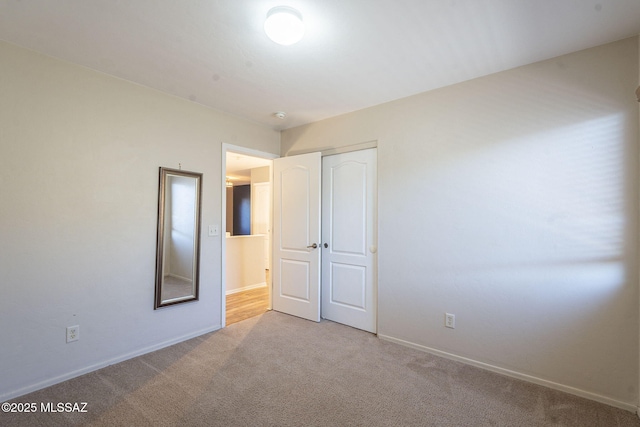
x: 213, y: 230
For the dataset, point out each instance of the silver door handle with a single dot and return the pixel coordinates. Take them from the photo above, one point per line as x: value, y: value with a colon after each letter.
x: 314, y: 246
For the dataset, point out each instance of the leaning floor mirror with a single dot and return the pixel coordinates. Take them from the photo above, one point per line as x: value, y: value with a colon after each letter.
x: 178, y: 241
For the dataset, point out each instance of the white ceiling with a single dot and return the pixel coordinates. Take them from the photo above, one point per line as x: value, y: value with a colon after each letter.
x: 355, y: 53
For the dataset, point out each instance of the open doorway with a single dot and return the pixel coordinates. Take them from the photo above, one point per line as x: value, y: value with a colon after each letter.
x: 247, y: 241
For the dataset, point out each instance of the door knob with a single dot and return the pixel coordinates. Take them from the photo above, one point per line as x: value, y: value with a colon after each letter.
x: 326, y: 245
x: 315, y: 245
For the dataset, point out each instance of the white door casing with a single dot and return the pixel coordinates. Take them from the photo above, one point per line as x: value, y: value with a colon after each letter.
x: 296, y: 229
x: 349, y: 206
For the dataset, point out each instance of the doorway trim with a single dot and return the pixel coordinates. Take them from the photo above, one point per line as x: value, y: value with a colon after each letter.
x: 223, y: 254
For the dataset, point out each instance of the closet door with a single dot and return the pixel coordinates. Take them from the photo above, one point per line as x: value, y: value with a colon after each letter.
x: 349, y: 294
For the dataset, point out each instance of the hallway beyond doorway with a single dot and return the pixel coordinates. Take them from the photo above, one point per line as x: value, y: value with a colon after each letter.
x: 246, y: 304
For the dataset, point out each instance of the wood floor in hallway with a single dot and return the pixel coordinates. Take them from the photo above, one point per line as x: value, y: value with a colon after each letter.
x: 246, y: 304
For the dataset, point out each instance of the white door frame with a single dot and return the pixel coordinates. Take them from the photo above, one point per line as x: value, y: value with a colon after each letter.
x: 222, y: 232
x: 263, y: 154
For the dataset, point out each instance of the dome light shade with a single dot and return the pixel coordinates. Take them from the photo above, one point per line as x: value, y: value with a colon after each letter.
x: 284, y: 25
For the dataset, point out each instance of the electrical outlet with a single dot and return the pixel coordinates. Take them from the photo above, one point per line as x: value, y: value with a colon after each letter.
x: 450, y: 320
x: 73, y: 333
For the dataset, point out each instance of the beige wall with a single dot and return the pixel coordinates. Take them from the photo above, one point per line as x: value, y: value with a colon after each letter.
x: 79, y: 158
x: 243, y: 269
x: 262, y: 174
x: 512, y: 202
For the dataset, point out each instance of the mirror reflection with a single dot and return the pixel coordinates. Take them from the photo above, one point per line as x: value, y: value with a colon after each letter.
x: 178, y: 241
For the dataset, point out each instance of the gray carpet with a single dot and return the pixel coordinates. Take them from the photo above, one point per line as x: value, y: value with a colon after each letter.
x: 278, y: 370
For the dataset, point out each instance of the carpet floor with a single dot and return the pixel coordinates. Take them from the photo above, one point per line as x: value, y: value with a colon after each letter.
x: 278, y: 370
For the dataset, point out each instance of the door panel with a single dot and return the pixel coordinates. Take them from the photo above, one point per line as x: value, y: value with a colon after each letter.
x: 349, y: 240
x: 348, y: 207
x: 348, y: 286
x: 296, y: 204
x: 297, y: 284
x: 296, y: 228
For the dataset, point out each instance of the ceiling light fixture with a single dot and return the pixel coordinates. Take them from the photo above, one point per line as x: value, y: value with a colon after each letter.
x: 284, y: 25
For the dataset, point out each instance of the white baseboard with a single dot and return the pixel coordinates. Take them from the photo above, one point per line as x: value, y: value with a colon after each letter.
x: 102, y: 364
x: 518, y: 375
x: 246, y: 288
